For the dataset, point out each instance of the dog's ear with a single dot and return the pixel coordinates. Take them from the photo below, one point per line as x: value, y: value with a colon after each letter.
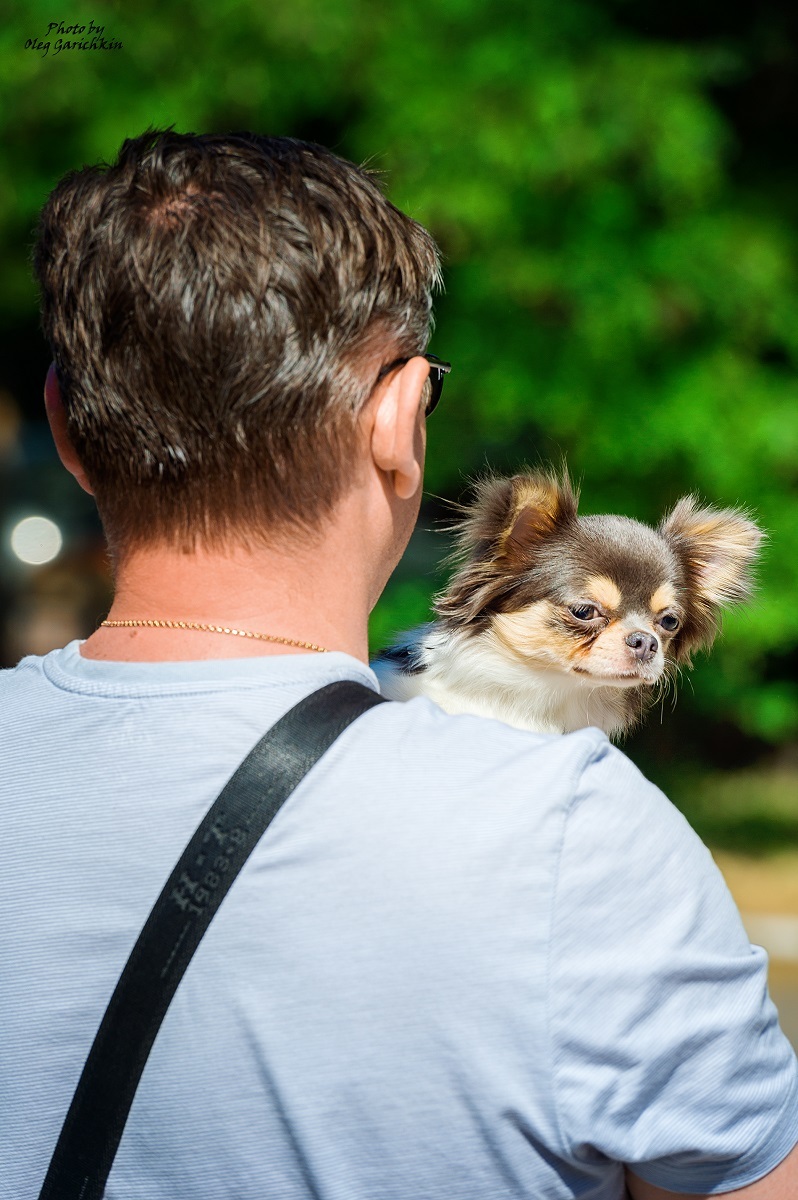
x: 541, y: 505
x: 717, y: 548
x: 497, y: 537
x: 508, y: 517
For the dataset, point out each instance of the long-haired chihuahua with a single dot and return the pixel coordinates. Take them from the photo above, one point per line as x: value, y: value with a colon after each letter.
x: 553, y: 622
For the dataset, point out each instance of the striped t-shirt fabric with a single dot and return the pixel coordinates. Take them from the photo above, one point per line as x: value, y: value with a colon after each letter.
x: 465, y: 962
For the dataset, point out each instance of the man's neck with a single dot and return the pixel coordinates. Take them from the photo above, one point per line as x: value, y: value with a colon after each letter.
x: 319, y: 595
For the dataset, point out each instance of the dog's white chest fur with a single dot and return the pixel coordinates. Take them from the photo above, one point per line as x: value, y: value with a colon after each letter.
x: 480, y: 675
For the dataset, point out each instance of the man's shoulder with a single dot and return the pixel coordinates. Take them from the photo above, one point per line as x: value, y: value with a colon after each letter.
x: 19, y: 680
x: 431, y: 741
x: 428, y: 720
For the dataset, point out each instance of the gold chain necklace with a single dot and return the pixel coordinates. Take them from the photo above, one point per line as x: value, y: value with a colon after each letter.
x: 261, y: 637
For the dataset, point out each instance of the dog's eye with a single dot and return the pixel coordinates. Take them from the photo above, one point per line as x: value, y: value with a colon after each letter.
x: 585, y: 612
x: 669, y: 622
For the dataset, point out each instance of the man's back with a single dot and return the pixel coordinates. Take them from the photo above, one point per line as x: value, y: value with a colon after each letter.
x: 464, y: 961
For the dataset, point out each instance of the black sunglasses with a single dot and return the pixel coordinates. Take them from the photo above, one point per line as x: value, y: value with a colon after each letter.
x: 438, y: 369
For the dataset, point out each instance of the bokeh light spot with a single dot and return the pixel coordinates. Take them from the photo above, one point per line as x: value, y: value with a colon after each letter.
x: 36, y: 540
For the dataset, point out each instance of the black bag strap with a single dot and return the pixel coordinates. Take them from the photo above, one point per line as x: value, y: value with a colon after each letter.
x: 222, y: 843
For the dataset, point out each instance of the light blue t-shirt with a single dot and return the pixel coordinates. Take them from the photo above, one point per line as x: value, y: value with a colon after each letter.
x: 465, y: 962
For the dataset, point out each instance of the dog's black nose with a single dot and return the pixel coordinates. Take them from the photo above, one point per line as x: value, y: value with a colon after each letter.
x: 643, y: 645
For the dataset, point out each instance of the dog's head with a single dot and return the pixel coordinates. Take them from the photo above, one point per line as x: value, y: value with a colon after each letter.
x: 605, y: 598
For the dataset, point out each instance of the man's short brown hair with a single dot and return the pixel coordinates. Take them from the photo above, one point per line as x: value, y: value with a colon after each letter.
x: 213, y: 304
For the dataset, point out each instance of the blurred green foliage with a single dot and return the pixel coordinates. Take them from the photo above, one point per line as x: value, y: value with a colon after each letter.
x: 613, y: 293
x: 746, y: 812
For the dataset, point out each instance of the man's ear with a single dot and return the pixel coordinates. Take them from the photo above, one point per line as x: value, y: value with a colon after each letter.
x: 397, y: 438
x: 56, y: 415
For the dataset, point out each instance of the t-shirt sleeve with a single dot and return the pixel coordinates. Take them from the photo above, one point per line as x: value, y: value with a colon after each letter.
x: 666, y: 1049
